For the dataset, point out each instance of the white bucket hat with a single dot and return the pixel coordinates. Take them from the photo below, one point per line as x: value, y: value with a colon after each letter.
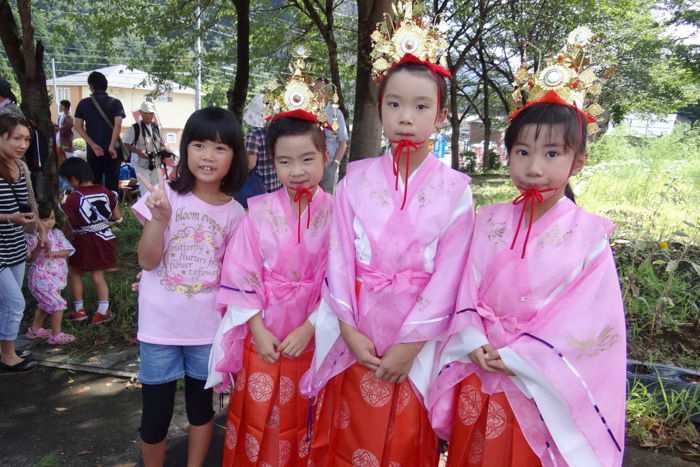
x: 148, y: 107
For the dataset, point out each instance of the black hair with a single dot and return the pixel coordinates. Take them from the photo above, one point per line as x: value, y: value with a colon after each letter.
x: 45, y: 208
x: 6, y: 91
x: 544, y: 114
x: 293, y: 127
x: 97, y: 81
x: 65, y: 103
x: 77, y: 168
x: 219, y: 125
x: 8, y: 123
x: 414, y: 68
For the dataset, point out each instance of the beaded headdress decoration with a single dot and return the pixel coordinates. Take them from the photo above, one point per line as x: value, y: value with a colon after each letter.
x: 296, y: 98
x: 403, y: 38
x: 567, y: 80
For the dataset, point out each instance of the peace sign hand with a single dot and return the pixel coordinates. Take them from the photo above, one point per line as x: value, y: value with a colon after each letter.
x: 157, y: 201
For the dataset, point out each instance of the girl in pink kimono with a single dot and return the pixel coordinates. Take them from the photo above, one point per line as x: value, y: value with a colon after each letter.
x: 47, y: 277
x: 535, y: 374
x: 398, y: 246
x: 270, y: 285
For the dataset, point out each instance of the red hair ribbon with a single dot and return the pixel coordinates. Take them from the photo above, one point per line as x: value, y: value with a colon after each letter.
x: 551, y: 97
x: 400, y: 146
x: 528, y: 198
x: 434, y: 67
x: 299, y: 114
x: 298, y: 195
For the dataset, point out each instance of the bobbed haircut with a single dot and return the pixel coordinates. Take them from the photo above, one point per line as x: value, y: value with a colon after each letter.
x: 416, y: 68
x: 77, y: 168
x: 294, y: 127
x: 547, y: 115
x: 220, y: 126
x: 544, y: 114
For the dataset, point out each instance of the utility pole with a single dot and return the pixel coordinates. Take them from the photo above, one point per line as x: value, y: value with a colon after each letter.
x: 55, y: 87
x: 198, y: 49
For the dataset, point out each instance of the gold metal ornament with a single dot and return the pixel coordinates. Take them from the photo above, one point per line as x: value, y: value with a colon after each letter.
x: 570, y: 74
x: 401, y: 33
x: 300, y: 92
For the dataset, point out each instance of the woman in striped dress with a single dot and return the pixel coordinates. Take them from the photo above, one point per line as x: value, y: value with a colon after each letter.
x: 17, y: 210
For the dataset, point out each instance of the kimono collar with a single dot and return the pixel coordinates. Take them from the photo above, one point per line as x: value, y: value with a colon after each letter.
x: 299, y: 194
x: 528, y: 197
x: 400, y: 148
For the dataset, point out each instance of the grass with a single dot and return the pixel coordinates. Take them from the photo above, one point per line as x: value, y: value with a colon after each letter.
x: 651, y: 189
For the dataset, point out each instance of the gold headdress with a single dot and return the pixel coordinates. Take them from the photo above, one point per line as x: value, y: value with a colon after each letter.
x: 567, y: 80
x: 297, y: 97
x: 407, y: 39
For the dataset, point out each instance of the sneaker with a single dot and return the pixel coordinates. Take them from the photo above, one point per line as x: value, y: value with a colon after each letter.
x: 21, y: 367
x: 99, y: 318
x: 61, y: 339
x: 79, y: 315
x: 41, y: 333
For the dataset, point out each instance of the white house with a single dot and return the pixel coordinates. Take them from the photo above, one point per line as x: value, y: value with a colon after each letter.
x: 174, y: 102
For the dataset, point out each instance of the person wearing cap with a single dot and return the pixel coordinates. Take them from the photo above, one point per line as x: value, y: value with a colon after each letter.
x: 144, y: 142
x: 8, y: 101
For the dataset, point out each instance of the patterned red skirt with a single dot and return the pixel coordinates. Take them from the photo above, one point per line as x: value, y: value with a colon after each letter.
x: 485, y: 432
x: 267, y: 417
x: 361, y: 421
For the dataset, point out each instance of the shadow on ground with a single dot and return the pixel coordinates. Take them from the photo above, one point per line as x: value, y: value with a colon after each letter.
x: 52, y: 417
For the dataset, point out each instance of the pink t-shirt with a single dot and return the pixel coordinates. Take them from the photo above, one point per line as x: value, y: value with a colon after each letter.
x: 177, y: 299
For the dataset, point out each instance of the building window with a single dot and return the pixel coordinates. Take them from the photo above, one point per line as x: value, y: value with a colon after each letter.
x: 171, y: 138
x: 165, y: 98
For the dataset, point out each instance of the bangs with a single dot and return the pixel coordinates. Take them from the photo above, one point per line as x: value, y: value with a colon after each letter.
x: 212, y: 124
x: 548, y: 115
x: 220, y: 126
x: 293, y: 127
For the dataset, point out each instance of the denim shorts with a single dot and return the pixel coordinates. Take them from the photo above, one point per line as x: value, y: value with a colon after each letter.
x: 164, y: 363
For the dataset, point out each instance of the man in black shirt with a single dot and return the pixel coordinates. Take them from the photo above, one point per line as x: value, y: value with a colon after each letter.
x: 100, y: 134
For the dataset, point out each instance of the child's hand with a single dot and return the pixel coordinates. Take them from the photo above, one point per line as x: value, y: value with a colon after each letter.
x: 266, y: 344
x: 397, y: 362
x: 488, y: 359
x: 295, y: 343
x: 157, y: 201
x: 360, y: 346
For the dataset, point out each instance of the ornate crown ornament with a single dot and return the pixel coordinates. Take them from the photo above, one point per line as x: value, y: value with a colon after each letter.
x: 568, y: 80
x: 298, y: 97
x: 402, y: 37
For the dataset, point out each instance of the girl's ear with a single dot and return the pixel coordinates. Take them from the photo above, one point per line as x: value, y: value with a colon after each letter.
x: 579, y: 162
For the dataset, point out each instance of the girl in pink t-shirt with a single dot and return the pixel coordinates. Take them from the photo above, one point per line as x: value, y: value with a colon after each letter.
x: 187, y: 224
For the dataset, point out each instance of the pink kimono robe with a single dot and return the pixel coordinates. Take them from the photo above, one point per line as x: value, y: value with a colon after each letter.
x: 268, y: 269
x: 393, y: 274
x: 556, y: 318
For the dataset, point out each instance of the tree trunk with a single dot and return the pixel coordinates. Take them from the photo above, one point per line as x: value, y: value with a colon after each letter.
x: 455, y: 123
x: 237, y: 94
x: 486, y: 119
x: 27, y: 59
x: 367, y: 128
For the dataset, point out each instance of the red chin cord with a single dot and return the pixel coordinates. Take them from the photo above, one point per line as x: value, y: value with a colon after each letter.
x: 528, y: 198
x: 298, y: 195
x: 401, y: 147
